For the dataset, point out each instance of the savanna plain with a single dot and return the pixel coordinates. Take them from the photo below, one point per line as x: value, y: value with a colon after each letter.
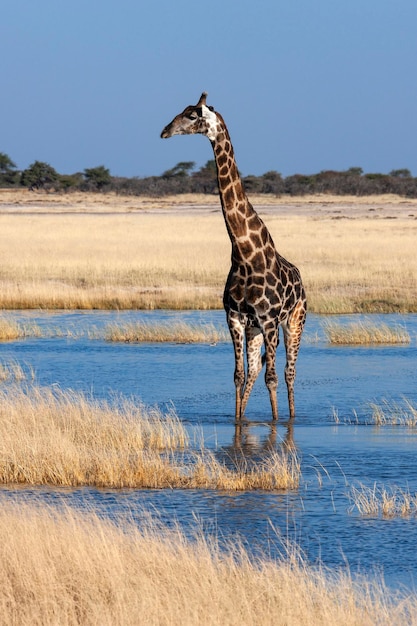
x: 65, y: 563
x: 85, y: 251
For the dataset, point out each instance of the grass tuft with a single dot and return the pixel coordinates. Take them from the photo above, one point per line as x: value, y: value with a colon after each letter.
x: 49, y: 436
x: 9, y: 329
x: 175, y: 332
x: 382, y: 502
x: 13, y: 372
x: 365, y: 333
x: 277, y: 471
x: 394, y: 413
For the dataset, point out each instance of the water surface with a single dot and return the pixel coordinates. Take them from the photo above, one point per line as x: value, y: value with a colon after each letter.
x: 198, y: 381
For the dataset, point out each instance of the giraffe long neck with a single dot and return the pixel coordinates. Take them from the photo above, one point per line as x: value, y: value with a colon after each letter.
x: 240, y: 216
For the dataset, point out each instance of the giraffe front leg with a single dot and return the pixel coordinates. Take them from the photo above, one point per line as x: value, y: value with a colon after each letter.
x: 254, y: 341
x: 272, y: 385
x: 239, y: 384
x: 237, y: 333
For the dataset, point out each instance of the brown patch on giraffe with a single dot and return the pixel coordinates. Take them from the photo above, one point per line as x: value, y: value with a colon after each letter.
x: 258, y: 262
x: 281, y: 290
x: 233, y: 169
x: 254, y: 293
x: 265, y: 236
x: 270, y: 254
x: 288, y: 290
x: 237, y: 292
x: 228, y: 196
x: 245, y: 247
x: 237, y: 225
x: 221, y: 160
x: 253, y: 222
x: 256, y: 279
x: 270, y: 279
x: 256, y: 240
x: 283, y: 276
x: 272, y: 296
x: 263, y: 305
x: 225, y: 180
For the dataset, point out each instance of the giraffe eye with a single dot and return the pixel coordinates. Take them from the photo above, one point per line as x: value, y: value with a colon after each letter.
x: 193, y: 115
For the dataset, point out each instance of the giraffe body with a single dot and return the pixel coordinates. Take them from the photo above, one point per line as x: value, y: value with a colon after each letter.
x: 263, y: 290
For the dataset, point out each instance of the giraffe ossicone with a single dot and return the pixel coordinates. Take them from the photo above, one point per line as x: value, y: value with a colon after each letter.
x: 263, y: 290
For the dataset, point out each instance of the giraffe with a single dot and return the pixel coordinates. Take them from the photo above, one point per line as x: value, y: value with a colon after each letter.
x: 263, y: 290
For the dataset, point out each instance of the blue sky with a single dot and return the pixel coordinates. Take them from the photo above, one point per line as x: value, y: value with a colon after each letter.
x: 303, y: 85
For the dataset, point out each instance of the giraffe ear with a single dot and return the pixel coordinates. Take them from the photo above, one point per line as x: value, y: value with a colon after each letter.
x: 202, y: 100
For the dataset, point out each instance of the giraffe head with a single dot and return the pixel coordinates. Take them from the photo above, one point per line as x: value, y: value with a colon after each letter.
x: 198, y: 118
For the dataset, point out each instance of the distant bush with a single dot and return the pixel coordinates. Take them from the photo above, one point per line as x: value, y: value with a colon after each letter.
x: 183, y: 178
x: 39, y: 175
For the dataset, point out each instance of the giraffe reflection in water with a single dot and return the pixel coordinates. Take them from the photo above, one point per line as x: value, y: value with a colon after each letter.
x: 263, y: 290
x: 249, y: 448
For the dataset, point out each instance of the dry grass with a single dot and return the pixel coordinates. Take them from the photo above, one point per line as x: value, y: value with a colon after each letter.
x: 9, y: 329
x: 365, y: 332
x: 12, y: 371
x: 64, y: 567
x: 394, y: 414
x: 48, y: 436
x: 175, y: 332
x: 277, y: 471
x: 382, y: 502
x: 181, y: 259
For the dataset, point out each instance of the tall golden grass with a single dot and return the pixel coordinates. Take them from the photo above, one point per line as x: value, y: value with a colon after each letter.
x: 365, y: 332
x: 180, y: 260
x: 172, y: 331
x: 54, y: 437
x: 64, y: 567
x: 393, y: 413
x: 176, y: 332
x: 11, y: 330
x: 49, y: 436
x: 380, y: 501
x: 13, y: 371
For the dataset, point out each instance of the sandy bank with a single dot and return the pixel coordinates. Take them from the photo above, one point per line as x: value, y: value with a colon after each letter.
x: 384, y: 206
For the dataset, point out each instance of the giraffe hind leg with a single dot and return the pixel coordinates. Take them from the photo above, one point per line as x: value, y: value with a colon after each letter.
x: 271, y: 338
x: 292, y: 330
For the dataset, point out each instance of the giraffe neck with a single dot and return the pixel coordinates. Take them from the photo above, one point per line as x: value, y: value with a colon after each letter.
x: 242, y: 221
x: 237, y: 209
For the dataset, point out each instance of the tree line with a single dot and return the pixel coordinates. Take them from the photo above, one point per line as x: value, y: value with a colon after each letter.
x: 185, y: 178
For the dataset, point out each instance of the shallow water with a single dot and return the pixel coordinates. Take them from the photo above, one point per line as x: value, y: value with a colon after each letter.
x: 198, y: 381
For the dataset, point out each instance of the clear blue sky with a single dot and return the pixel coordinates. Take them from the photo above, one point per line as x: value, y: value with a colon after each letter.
x: 304, y: 85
